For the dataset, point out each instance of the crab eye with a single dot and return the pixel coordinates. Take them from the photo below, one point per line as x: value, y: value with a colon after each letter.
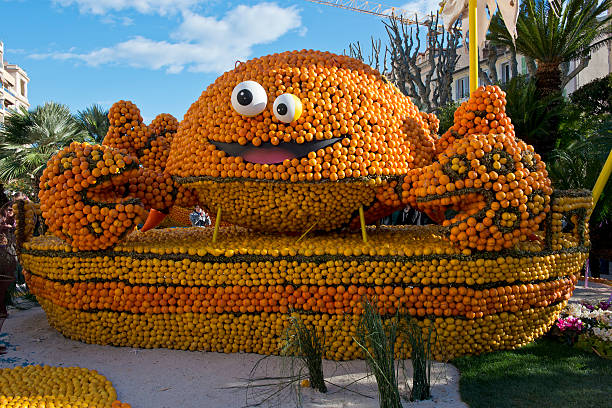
x: 287, y: 108
x: 249, y: 98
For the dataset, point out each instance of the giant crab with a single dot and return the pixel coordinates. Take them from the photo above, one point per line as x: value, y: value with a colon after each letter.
x: 302, y: 141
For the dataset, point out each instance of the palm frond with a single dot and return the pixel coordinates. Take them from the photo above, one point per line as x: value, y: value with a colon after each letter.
x: 94, y: 120
x: 549, y: 35
x: 30, y: 138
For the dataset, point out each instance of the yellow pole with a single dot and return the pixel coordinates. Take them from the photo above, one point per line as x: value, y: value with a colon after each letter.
x: 602, y: 179
x: 364, y: 236
x: 217, y: 221
x: 473, y: 30
x: 307, y: 231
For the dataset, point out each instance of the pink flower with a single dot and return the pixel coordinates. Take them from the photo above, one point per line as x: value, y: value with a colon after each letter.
x: 570, y: 323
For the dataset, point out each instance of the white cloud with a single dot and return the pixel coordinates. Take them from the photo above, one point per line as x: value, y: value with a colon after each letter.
x: 162, y: 7
x: 110, y: 19
x: 421, y: 8
x: 201, y: 43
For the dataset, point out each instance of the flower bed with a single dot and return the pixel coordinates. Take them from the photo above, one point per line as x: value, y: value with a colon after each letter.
x: 587, y: 326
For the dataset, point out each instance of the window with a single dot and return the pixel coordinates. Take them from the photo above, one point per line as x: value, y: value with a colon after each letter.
x: 462, y: 88
x: 23, y: 88
x: 523, y: 65
x: 505, y: 72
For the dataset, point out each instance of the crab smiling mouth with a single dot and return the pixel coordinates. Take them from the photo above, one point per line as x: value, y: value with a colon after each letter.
x: 267, y: 153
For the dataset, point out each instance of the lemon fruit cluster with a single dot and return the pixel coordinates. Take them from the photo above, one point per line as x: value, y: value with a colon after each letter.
x: 60, y: 387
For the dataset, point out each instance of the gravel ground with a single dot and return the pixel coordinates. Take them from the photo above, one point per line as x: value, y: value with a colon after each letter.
x: 162, y: 378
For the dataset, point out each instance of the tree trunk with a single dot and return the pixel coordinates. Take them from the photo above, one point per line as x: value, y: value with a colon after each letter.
x: 531, y: 66
x: 513, y: 62
x: 492, y: 63
x: 548, y: 83
x: 548, y: 79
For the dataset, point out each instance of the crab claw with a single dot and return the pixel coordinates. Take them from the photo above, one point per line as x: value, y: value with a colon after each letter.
x: 154, y: 218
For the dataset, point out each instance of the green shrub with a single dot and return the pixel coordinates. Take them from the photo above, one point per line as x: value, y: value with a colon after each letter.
x: 378, y: 345
x: 446, y: 115
x: 303, y: 342
x: 421, y: 349
x: 535, y: 119
x: 595, y: 97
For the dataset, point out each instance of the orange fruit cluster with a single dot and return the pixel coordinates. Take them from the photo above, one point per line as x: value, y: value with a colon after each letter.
x: 127, y: 130
x: 432, y: 122
x: 150, y: 144
x: 427, y: 301
x: 92, y: 195
x: 354, y: 125
x: 36, y: 386
x: 489, y: 188
x: 164, y: 125
x: 175, y: 288
x: 379, y: 131
x: 484, y: 113
x: 81, y: 195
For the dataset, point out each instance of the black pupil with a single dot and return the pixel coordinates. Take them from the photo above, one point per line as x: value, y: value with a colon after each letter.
x: 245, y: 97
x: 281, y: 109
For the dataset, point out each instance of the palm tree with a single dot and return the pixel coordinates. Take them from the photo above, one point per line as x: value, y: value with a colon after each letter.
x: 29, y: 139
x: 554, y: 34
x: 535, y: 118
x: 94, y: 120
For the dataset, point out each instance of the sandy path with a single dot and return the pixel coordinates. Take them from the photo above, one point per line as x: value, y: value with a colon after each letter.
x: 163, y: 378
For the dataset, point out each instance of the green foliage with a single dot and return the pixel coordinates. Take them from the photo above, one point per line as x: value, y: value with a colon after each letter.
x: 596, y: 345
x: 94, y: 121
x: 585, y: 140
x: 421, y: 348
x: 595, y: 97
x: 534, y: 118
x: 579, y: 28
x: 29, y: 139
x: 446, y: 115
x: 303, y: 342
x: 544, y: 373
x: 578, y: 165
x: 378, y: 345
x: 553, y: 34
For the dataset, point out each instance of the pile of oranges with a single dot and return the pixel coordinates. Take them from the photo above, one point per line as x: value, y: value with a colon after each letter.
x: 262, y: 332
x: 93, y: 195
x: 37, y: 386
x: 81, y: 195
x: 236, y: 294
x: 490, y: 189
x: 127, y: 130
x: 461, y: 301
x: 343, y: 140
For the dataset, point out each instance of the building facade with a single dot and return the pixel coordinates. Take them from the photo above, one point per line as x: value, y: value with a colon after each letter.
x: 13, y: 87
x: 599, y: 66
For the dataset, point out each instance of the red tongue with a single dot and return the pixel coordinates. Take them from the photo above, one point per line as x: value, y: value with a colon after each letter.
x: 269, y: 155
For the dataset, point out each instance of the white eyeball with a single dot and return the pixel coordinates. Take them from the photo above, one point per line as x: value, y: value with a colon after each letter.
x: 249, y: 98
x: 287, y: 108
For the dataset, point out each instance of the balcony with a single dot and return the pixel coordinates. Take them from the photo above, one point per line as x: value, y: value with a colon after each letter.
x: 9, y: 92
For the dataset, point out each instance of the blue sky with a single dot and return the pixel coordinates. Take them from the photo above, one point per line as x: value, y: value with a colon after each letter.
x: 162, y: 54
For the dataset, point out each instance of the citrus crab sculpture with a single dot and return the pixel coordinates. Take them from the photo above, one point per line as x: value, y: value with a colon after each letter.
x: 303, y: 142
